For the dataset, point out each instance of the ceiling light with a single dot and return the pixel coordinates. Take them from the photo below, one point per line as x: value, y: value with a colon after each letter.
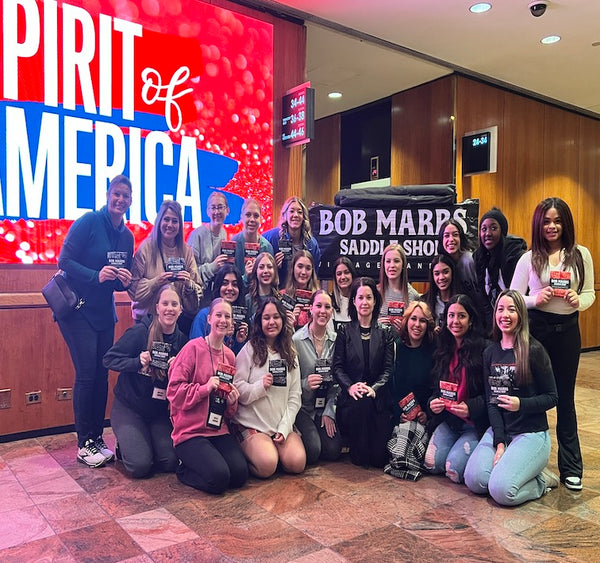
x: 480, y: 7
x: 334, y: 95
x: 550, y: 39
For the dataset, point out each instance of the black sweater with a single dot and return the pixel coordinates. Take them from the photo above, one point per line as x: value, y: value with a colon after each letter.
x: 536, y: 398
x: 133, y: 388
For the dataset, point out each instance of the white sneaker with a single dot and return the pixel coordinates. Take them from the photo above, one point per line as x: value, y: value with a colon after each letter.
x: 550, y: 478
x: 573, y: 483
x: 90, y: 455
x: 104, y: 449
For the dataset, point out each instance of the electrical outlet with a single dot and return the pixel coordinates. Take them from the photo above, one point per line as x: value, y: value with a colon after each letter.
x: 4, y: 398
x: 64, y: 394
x: 33, y: 397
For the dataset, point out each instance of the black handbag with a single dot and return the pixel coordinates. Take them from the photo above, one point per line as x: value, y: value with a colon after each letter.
x: 60, y: 296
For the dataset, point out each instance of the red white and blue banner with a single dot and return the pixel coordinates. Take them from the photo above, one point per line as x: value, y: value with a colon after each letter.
x: 176, y: 95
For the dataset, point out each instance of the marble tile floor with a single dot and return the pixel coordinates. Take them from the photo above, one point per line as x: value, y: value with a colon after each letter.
x: 55, y: 509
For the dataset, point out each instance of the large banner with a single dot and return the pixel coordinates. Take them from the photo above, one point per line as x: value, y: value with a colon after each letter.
x: 362, y: 234
x: 176, y: 95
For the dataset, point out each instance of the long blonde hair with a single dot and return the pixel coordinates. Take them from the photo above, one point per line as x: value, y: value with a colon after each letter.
x: 383, y: 280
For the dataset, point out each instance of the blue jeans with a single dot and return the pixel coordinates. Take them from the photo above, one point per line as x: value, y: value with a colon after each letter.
x: 449, y: 450
x: 516, y: 477
x: 87, y: 347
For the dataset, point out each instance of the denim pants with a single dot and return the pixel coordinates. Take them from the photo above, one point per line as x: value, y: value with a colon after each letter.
x: 516, y: 477
x: 449, y: 450
x: 87, y: 347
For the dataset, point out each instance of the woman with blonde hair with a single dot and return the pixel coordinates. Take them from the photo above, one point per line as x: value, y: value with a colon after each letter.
x: 292, y: 234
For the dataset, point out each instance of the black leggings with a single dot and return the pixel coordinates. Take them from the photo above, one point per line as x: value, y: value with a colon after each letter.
x: 212, y: 464
x: 560, y: 336
x: 317, y: 443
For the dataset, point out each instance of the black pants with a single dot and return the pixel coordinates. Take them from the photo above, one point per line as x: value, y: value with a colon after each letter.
x: 145, y: 445
x: 367, y: 428
x: 561, y: 338
x: 212, y: 464
x: 315, y: 439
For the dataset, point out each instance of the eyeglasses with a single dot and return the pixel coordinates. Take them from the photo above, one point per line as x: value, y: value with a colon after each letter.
x: 218, y: 207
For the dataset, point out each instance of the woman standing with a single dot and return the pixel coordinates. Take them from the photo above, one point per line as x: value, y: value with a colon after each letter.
x: 316, y: 419
x: 294, y: 230
x: 302, y: 277
x: 229, y: 286
x: 245, y: 256
x: 202, y: 402
x: 509, y: 460
x: 458, y: 402
x: 452, y: 242
x: 140, y: 415
x: 414, y: 360
x: 206, y: 240
x: 162, y: 258
x: 557, y: 279
x: 96, y: 257
x: 441, y: 287
x: 362, y: 364
x: 263, y: 282
x: 496, y: 258
x: 344, y: 275
x: 268, y: 379
x: 393, y: 284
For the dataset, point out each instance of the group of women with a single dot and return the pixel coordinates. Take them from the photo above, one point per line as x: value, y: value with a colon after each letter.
x: 280, y: 373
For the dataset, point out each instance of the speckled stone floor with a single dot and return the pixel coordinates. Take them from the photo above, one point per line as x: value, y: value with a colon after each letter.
x: 54, y: 509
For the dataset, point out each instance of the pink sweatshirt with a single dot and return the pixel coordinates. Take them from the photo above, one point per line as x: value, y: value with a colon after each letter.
x: 188, y: 392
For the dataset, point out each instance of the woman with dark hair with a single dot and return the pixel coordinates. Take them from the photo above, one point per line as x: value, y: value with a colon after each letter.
x: 509, y: 460
x: 203, y: 400
x: 140, y: 414
x: 314, y: 343
x: 344, y: 274
x: 264, y: 281
x: 302, y: 276
x: 452, y: 241
x: 292, y: 234
x: 96, y: 259
x: 268, y: 379
x: 228, y: 285
x: 362, y: 364
x: 441, y: 287
x: 414, y: 360
x: 557, y: 279
x: 496, y: 258
x: 162, y: 258
x: 458, y: 402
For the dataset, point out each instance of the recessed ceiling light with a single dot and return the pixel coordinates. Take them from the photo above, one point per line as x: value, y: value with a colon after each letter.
x: 480, y: 7
x: 334, y: 95
x: 550, y: 39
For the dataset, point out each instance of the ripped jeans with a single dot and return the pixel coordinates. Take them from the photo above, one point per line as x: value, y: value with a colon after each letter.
x: 449, y: 450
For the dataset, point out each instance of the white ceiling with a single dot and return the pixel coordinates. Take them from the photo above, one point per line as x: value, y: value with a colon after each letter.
x: 369, y: 49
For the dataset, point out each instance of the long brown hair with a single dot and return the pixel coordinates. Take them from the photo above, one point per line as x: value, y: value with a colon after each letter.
x: 155, y: 333
x: 521, y: 343
x: 255, y: 284
x: 539, y: 245
x: 383, y: 279
x: 292, y: 285
x: 156, y: 234
x: 283, y: 343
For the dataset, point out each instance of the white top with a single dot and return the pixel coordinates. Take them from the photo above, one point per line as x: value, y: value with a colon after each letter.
x: 525, y: 277
x: 269, y: 410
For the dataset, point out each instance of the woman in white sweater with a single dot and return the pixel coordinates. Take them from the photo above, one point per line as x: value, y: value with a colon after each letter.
x: 557, y: 279
x: 268, y: 379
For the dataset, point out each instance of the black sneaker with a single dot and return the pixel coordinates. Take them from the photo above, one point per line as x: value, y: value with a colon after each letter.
x: 90, y: 455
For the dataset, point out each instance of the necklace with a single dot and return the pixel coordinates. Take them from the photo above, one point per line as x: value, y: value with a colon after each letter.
x: 315, y: 337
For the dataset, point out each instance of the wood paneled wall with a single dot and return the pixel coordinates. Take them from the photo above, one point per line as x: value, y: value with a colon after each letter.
x: 323, y: 174
x: 35, y: 356
x: 422, y: 134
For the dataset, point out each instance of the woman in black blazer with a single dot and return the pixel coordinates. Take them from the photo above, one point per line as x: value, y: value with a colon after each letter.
x: 362, y: 364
